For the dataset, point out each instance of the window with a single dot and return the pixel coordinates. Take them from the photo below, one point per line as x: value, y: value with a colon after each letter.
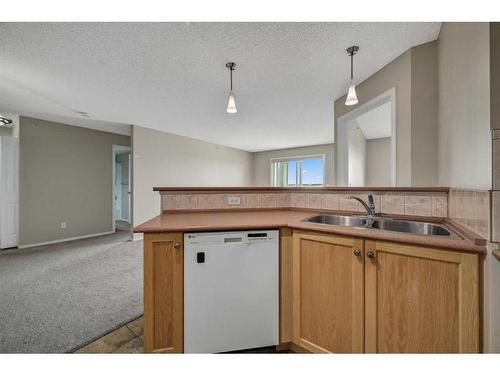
x: 303, y: 171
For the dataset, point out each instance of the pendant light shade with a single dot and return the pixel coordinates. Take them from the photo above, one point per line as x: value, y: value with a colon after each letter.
x: 231, y: 102
x: 352, y: 98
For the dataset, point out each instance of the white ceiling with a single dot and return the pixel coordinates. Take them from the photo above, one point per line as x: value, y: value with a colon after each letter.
x: 171, y: 76
x: 376, y: 123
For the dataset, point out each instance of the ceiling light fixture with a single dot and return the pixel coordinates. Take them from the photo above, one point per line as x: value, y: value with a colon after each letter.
x: 4, y: 121
x: 231, y: 103
x: 352, y: 99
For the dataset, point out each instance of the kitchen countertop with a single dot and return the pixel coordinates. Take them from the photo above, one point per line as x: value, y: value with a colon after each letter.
x: 200, y: 221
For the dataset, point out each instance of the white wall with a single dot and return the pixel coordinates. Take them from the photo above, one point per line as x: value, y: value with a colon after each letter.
x: 164, y: 159
x: 378, y: 162
x: 262, y: 162
x: 356, y: 155
x: 464, y: 144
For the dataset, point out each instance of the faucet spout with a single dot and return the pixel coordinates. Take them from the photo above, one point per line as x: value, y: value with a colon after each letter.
x: 370, y: 207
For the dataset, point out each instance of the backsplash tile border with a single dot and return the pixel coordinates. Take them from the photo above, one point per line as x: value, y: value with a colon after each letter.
x: 430, y: 204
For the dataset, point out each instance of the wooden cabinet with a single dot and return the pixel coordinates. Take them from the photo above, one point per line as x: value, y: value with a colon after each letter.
x: 393, y: 298
x: 420, y: 300
x: 327, y: 293
x: 339, y: 294
x: 163, y: 293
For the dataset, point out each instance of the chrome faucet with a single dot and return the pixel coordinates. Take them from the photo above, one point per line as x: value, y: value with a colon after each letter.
x: 370, y: 207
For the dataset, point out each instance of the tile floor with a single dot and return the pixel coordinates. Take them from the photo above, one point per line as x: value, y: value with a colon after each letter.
x: 130, y: 339
x: 126, y: 339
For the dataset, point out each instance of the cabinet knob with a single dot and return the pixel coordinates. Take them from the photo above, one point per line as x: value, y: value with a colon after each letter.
x: 177, y: 245
x: 357, y: 253
x: 370, y: 254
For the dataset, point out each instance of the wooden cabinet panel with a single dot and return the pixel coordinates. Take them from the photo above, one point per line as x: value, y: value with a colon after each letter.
x: 163, y: 293
x: 286, y: 274
x: 327, y: 293
x: 420, y: 300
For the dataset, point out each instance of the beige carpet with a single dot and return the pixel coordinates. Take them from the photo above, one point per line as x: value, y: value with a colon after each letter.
x: 56, y: 298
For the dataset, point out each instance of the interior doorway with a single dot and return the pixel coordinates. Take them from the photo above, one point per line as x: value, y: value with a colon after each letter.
x: 366, y: 144
x: 122, y: 219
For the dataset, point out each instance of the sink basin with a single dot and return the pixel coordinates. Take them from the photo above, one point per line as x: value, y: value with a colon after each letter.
x: 346, y: 221
x: 413, y: 227
x: 404, y: 226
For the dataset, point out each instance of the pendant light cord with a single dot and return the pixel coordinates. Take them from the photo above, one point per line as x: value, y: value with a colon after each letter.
x: 352, y: 55
x: 231, y: 79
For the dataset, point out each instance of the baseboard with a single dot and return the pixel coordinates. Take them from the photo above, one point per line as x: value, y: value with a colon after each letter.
x: 64, y: 240
x: 298, y: 349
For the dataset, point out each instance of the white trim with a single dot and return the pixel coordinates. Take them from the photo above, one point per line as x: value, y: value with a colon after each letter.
x: 118, y: 149
x: 341, y: 145
x: 9, y: 189
x: 65, y: 240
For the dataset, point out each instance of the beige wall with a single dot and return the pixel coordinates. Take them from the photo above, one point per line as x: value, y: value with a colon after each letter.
x: 378, y: 162
x: 464, y: 142
x: 262, y: 162
x: 164, y: 159
x: 464, y: 146
x: 495, y: 74
x: 424, y: 115
x: 414, y: 75
x: 395, y: 74
x: 65, y: 176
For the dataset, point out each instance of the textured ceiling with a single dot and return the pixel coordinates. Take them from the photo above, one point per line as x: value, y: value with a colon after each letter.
x: 377, y: 122
x: 171, y: 76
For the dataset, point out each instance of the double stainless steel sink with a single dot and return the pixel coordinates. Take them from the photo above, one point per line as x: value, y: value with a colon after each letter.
x: 383, y: 223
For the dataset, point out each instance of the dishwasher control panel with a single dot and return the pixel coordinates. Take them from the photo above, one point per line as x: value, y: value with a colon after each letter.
x: 215, y: 238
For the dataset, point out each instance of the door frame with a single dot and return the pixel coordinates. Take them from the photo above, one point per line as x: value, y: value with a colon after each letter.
x: 341, y: 141
x: 117, y: 149
x: 4, y: 179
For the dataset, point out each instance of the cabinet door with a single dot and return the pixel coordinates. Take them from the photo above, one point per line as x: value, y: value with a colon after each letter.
x: 163, y: 293
x: 327, y: 293
x: 420, y: 300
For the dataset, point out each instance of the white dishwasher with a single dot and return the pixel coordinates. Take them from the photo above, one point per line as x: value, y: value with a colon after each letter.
x: 231, y: 290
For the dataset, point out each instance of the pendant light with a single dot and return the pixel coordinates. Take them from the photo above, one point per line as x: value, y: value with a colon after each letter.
x: 352, y: 99
x: 231, y: 103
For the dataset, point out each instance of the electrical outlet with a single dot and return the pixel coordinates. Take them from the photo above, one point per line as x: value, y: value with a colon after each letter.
x: 234, y: 200
x: 63, y: 225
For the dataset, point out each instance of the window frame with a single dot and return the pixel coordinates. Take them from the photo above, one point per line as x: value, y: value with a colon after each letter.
x: 298, y: 172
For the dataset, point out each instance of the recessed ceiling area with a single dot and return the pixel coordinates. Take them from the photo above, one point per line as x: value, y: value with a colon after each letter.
x: 376, y: 123
x: 172, y: 76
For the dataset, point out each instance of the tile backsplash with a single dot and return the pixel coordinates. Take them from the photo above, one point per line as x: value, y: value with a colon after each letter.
x: 471, y: 209
x: 433, y: 204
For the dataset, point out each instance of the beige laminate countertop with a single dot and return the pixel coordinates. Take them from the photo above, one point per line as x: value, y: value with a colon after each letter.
x: 201, y: 221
